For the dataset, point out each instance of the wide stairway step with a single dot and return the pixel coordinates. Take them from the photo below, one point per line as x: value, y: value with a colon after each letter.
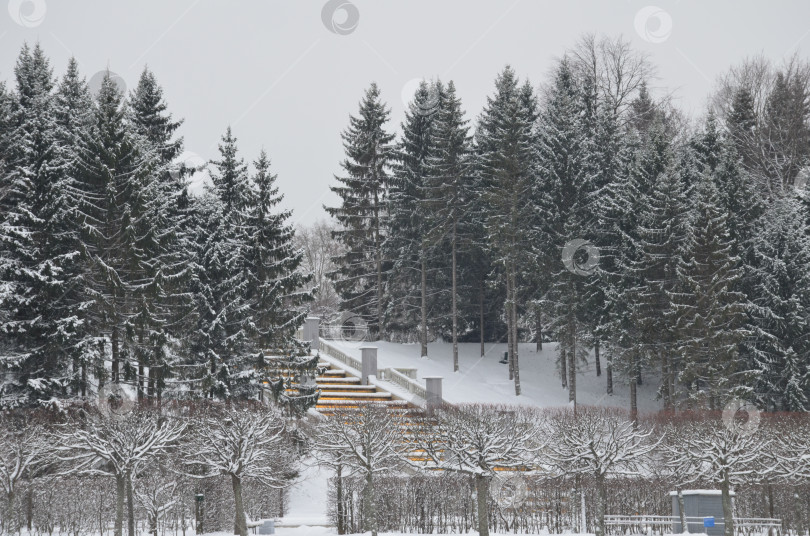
x: 324, y: 379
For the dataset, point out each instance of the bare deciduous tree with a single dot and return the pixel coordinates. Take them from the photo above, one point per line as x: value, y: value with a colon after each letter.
x: 241, y: 442
x: 600, y: 443
x: 367, y: 440
x: 116, y: 447
x: 477, y: 440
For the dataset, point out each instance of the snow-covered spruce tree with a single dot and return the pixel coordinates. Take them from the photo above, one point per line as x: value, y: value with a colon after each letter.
x: 73, y: 108
x: 24, y: 453
x: 113, y: 209
x: 241, y: 443
x: 41, y: 330
x: 362, y: 214
x: 272, y: 267
x: 150, y: 118
x: 411, y: 286
x: 477, y: 440
x: 449, y: 194
x: 116, y: 446
x: 221, y: 342
x: 604, y: 151
x: 710, y: 314
x: 780, y: 312
x: 162, y: 300
x: 662, y: 230
x: 507, y: 170
x: 599, y: 443
x: 563, y: 192
x: 631, y: 355
x: 723, y: 453
x: 367, y: 440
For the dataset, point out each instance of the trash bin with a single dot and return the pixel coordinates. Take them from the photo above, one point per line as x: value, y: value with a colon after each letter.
x: 505, y: 358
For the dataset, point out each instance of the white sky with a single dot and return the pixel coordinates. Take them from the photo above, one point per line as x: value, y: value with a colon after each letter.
x: 283, y: 80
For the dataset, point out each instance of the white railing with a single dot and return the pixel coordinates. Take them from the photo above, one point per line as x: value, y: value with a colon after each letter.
x: 665, y: 524
x: 398, y: 378
x: 344, y: 358
x: 402, y: 377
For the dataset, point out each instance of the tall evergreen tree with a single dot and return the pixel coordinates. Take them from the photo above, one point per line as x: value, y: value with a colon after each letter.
x: 450, y: 187
x: 507, y: 167
x: 274, y: 279
x: 41, y: 331
x: 780, y: 313
x: 566, y: 188
x: 222, y: 340
x: 114, y: 188
x: 710, y: 314
x: 411, y: 289
x: 362, y: 214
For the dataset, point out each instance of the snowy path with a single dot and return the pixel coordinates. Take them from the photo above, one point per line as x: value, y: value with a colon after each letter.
x: 307, y: 500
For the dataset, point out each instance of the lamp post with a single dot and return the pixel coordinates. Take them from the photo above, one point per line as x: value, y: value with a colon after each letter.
x: 199, y: 512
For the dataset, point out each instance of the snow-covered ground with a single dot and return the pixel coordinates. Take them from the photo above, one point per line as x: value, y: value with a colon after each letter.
x: 483, y: 379
x: 307, y: 500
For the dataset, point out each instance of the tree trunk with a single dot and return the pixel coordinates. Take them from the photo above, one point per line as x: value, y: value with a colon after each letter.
x: 240, y: 521
x: 665, y: 383
x: 601, y: 507
x: 423, y: 320
x: 510, y: 342
x: 482, y: 496
x: 481, y: 319
x: 728, y: 510
x: 572, y: 371
x: 84, y: 379
x: 130, y: 505
x: 564, y: 368
x: 609, y: 374
x: 378, y: 255
x: 633, y: 400
x: 454, y: 304
x: 150, y: 386
x: 341, y: 516
x: 10, y: 513
x: 29, y: 508
x: 370, y: 517
x: 115, y: 355
x: 596, y: 358
x: 120, y: 493
x: 682, y: 512
x: 141, y: 381
x: 516, y: 362
x: 572, y: 351
x: 538, y: 318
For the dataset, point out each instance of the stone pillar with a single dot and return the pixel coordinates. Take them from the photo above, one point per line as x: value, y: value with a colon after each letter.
x: 311, y: 327
x: 369, y: 359
x: 433, y: 386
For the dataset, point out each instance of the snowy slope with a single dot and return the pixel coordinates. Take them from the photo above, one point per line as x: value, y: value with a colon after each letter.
x: 486, y: 380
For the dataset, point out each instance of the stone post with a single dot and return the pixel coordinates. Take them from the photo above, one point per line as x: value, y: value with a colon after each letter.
x: 433, y: 386
x: 311, y: 327
x: 369, y: 359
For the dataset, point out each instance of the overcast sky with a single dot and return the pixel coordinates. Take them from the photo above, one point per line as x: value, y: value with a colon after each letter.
x: 287, y: 74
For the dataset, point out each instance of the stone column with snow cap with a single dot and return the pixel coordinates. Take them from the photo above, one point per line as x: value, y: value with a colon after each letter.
x: 368, y: 356
x: 311, y: 332
x: 433, y: 389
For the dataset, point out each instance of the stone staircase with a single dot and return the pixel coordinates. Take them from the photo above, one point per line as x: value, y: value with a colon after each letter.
x: 339, y: 389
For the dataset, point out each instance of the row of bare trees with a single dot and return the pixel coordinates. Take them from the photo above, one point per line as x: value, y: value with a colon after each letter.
x: 595, y: 448
x: 81, y: 470
x: 150, y: 462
